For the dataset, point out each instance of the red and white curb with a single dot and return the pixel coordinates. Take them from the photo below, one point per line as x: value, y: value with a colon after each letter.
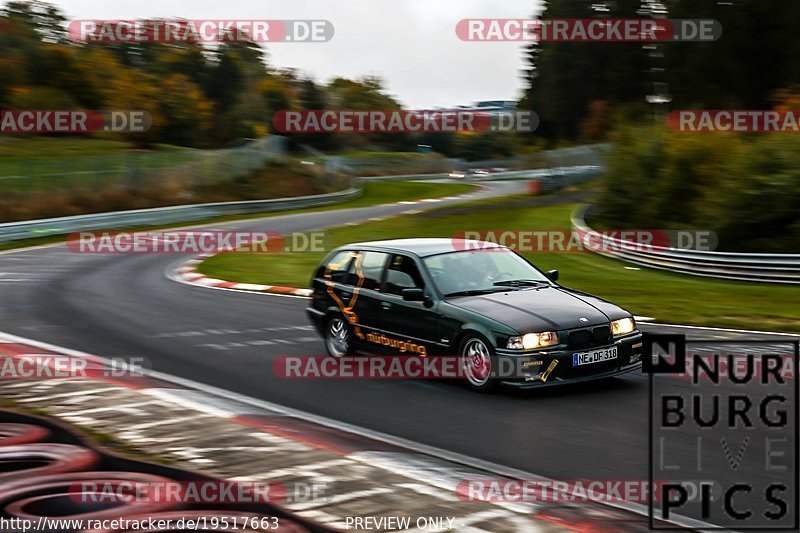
x: 188, y: 273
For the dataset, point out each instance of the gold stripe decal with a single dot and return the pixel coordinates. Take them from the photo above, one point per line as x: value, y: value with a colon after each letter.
x: 347, y: 310
x: 546, y: 373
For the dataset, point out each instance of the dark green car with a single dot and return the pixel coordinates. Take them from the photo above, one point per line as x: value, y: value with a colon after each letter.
x: 504, y: 318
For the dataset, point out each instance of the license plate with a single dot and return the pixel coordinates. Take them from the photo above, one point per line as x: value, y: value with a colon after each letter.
x: 597, y: 356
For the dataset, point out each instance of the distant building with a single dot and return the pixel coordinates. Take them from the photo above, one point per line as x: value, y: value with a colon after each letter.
x: 505, y: 106
x: 486, y: 106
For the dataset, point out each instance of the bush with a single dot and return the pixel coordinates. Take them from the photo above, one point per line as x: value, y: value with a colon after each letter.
x: 745, y: 188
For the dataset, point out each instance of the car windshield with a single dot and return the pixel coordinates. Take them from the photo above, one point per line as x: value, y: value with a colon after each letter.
x: 480, y: 271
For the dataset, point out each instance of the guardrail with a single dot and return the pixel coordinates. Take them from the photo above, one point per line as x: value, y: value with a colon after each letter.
x: 12, y: 231
x: 573, y: 156
x: 550, y: 178
x: 163, y: 215
x: 766, y: 268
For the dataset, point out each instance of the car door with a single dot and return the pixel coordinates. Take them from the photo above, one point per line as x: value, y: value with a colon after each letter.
x: 408, y: 328
x: 349, y: 283
x: 365, y: 297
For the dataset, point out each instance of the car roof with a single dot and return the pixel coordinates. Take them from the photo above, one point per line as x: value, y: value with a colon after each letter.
x: 424, y: 247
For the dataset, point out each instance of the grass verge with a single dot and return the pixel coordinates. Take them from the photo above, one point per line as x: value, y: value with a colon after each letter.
x: 668, y: 297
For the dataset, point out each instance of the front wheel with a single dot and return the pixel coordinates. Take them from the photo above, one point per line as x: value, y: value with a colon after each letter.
x: 477, y: 358
x: 338, y: 340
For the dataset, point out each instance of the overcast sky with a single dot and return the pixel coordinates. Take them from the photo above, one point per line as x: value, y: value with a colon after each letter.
x: 411, y: 44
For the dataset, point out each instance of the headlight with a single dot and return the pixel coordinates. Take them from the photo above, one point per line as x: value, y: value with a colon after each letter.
x: 623, y: 326
x: 532, y: 340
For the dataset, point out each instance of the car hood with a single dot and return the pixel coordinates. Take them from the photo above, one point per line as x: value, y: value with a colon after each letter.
x: 546, y: 309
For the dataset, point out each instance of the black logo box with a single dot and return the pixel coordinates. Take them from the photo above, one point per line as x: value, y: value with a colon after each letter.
x: 654, y: 364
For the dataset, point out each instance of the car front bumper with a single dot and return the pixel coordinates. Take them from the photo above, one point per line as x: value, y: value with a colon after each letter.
x: 555, y: 367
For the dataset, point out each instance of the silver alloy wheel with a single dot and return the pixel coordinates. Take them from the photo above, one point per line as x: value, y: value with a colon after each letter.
x: 477, y: 363
x: 337, y: 338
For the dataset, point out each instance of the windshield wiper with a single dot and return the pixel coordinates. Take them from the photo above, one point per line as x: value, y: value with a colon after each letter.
x: 521, y: 283
x: 473, y: 292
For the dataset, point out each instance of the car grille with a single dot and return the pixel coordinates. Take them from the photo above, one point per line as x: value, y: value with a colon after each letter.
x: 590, y: 337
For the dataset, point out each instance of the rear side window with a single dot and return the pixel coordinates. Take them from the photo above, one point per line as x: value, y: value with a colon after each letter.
x: 372, y: 264
x: 402, y: 274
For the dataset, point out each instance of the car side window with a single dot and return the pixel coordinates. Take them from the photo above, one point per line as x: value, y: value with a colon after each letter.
x: 402, y: 274
x: 372, y: 264
x: 340, y: 267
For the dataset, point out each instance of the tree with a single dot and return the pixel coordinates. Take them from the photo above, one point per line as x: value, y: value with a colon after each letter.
x: 46, y: 19
x: 564, y: 78
x: 312, y: 98
x: 754, y: 57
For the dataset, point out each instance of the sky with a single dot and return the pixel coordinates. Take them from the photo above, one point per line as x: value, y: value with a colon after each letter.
x: 411, y: 44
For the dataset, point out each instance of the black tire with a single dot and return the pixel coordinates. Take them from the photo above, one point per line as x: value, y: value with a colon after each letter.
x: 476, y: 353
x: 23, y: 462
x: 16, y: 434
x: 336, y: 333
x: 59, y: 495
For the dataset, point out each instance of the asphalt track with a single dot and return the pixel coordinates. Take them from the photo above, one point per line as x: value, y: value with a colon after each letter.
x: 125, y: 306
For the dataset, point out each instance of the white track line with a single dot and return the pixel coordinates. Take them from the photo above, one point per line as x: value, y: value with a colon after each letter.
x: 726, y: 330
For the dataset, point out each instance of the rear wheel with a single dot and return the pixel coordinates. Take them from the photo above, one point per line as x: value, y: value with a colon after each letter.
x: 477, y: 357
x: 338, y: 340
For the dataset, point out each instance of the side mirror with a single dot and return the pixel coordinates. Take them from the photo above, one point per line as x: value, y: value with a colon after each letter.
x: 552, y: 275
x: 413, y: 295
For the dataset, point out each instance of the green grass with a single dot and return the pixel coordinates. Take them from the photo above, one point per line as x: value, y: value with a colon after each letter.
x: 375, y: 193
x: 17, y: 147
x: 665, y: 296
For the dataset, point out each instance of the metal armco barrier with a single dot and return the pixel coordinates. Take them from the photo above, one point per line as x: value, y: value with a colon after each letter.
x: 766, y: 268
x: 163, y: 215
x: 551, y: 178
